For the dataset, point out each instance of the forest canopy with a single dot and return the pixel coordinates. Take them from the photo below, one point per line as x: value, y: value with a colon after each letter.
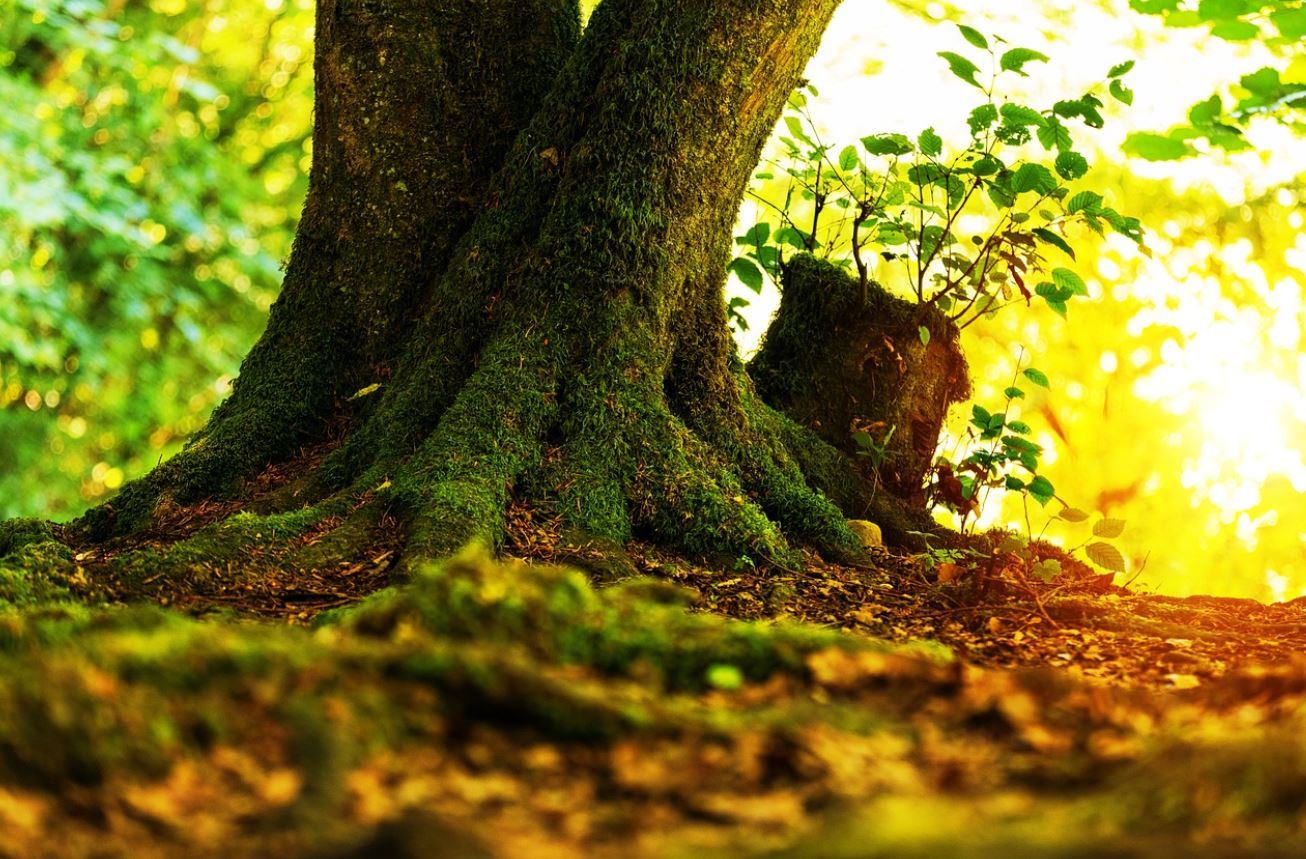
x: 155, y: 159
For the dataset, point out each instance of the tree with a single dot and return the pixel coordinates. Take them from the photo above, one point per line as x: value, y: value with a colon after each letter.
x: 508, y: 279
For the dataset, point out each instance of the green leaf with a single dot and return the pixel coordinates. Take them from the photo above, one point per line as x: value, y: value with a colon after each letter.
x: 1106, y: 556
x: 1290, y: 22
x: 1014, y: 393
x: 1033, y: 177
x: 1071, y: 165
x: 1014, y: 484
x: 1053, y: 134
x: 748, y: 273
x: 757, y: 236
x: 1055, y: 240
x: 975, y: 37
x: 1053, y: 294
x: 1023, y: 445
x: 769, y: 257
x: 1216, y: 10
x: 1038, y: 377
x: 1235, y: 31
x: 962, y: 68
x: 1015, y: 59
x: 1109, y: 528
x: 1084, y: 201
x: 1047, y: 569
x: 1067, y: 279
x: 1001, y: 196
x: 981, y: 118
x: 1018, y: 114
x: 795, y: 126
x: 1042, y: 489
x: 1206, y: 113
x: 1264, y: 82
x: 1121, y: 93
x: 924, y: 334
x: 888, y: 144
x: 930, y: 142
x: 1020, y: 427
x: 1086, y: 108
x: 1156, y: 147
x: 1117, y: 71
x: 986, y: 166
x: 792, y: 237
x: 1154, y: 7
x: 849, y: 159
x: 724, y: 677
x: 1073, y: 514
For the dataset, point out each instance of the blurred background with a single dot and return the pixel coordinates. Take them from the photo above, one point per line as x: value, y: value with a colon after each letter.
x: 154, y: 157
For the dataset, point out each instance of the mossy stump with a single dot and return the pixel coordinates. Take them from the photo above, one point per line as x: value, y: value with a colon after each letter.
x: 840, y: 364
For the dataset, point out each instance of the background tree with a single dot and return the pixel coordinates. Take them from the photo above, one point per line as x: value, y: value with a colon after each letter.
x: 153, y: 162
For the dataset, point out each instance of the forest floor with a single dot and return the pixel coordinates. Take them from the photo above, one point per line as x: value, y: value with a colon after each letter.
x: 650, y: 707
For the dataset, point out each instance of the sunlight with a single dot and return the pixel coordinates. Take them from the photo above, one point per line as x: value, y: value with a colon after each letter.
x: 1192, y: 354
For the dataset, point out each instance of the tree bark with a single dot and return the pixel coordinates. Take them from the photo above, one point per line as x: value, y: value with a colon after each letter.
x: 556, y: 330
x: 415, y: 106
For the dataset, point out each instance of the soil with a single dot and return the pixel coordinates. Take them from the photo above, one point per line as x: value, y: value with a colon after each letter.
x: 1013, y: 717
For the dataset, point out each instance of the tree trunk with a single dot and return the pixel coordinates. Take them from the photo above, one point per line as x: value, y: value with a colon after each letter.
x: 415, y: 106
x: 553, y: 328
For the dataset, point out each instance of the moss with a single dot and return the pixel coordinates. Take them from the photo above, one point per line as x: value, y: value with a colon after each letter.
x: 18, y: 533
x: 242, y: 546
x: 36, y: 568
x: 837, y: 363
x: 555, y: 614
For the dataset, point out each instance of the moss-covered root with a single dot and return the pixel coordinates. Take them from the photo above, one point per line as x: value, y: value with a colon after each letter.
x: 455, y: 488
x: 18, y: 534
x: 627, y: 462
x: 36, y: 568
x: 742, y: 428
x: 556, y: 615
x: 830, y: 471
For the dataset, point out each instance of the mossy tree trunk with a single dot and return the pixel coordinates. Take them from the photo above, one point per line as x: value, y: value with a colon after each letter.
x: 516, y: 236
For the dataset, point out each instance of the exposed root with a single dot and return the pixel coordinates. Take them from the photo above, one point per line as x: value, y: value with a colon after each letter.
x: 456, y: 486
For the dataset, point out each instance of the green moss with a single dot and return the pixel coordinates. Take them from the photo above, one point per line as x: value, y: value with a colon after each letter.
x: 555, y: 614
x: 18, y: 533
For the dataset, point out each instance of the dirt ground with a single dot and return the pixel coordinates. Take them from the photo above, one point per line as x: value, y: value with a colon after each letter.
x: 896, y: 712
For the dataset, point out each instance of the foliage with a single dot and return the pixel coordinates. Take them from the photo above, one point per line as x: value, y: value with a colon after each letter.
x: 909, y: 202
x: 152, y: 156
x: 1276, y: 91
x: 1001, y: 444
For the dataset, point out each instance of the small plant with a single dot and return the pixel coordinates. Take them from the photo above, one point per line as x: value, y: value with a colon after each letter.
x: 949, y: 562
x: 1101, y: 553
x: 963, y: 230
x: 875, y: 451
x: 1097, y: 548
x: 1004, y: 458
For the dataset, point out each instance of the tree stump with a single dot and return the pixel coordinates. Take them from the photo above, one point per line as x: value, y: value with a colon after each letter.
x: 840, y: 364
